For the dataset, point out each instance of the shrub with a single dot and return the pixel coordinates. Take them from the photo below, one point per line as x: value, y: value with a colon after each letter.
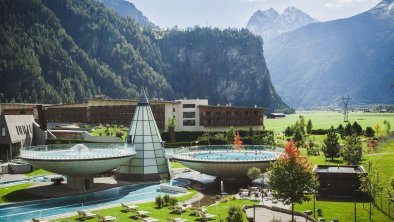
x: 159, y: 201
x: 319, y: 131
x: 173, y: 201
x: 166, y: 198
x: 234, y: 214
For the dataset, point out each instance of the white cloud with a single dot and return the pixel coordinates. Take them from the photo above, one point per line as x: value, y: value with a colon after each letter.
x: 342, y: 3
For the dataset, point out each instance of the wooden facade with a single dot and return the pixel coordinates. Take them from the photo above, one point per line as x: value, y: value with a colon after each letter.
x: 230, y: 116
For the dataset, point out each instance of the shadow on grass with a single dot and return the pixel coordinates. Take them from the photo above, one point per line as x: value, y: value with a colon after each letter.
x: 21, y: 195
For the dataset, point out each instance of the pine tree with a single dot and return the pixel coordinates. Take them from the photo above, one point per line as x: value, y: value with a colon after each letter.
x: 331, y: 146
x: 352, y: 150
x: 309, y: 126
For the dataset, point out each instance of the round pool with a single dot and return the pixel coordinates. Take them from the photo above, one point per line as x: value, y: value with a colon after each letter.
x: 233, y: 155
x: 227, y: 164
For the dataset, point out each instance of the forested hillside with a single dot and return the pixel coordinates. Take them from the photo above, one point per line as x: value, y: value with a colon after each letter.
x: 63, y: 51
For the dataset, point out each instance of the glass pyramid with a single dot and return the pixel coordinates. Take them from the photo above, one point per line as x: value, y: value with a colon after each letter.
x: 149, y: 164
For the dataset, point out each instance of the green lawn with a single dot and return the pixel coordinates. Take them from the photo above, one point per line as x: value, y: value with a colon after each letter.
x: 324, y: 120
x: 177, y: 165
x: 16, y: 193
x: 37, y: 173
x: 103, y: 131
x: 344, y: 211
x: 161, y: 214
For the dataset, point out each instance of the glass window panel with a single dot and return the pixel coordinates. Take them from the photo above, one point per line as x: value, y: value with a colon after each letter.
x: 156, y: 139
x: 147, y: 128
x: 161, y: 161
x: 137, y: 170
x: 162, y: 168
x: 150, y: 169
x: 139, y: 146
x: 140, y: 127
x: 150, y: 162
x: 148, y: 139
x: 148, y: 147
x: 138, y: 139
x: 159, y: 153
x: 149, y: 154
x: 137, y: 162
x: 139, y: 153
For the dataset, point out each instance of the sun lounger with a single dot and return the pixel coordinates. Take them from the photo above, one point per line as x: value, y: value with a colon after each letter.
x: 39, y: 220
x: 102, y: 218
x: 129, y: 207
x: 179, y: 209
x: 85, y: 215
x: 149, y: 219
x: 141, y: 213
x: 206, y: 216
x: 178, y: 219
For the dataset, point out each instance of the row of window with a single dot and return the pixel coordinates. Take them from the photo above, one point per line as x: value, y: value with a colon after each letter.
x: 189, y: 114
x: 189, y: 122
x: 231, y: 113
x: 229, y: 122
x: 23, y: 130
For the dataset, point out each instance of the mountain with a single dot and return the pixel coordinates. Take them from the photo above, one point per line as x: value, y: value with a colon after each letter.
x: 270, y: 24
x: 125, y: 8
x: 65, y: 51
x: 317, y: 64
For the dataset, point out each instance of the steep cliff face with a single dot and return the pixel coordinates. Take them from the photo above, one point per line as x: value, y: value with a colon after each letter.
x: 228, y: 67
x: 323, y: 61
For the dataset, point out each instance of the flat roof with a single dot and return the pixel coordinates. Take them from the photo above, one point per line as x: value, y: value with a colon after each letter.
x: 236, y: 107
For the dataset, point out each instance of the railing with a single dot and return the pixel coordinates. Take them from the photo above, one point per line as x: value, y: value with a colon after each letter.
x: 187, y: 149
x: 93, y: 151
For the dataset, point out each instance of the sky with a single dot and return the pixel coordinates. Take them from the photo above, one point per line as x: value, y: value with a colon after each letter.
x: 236, y: 13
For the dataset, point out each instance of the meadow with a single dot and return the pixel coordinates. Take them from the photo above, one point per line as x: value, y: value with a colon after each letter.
x: 326, y: 119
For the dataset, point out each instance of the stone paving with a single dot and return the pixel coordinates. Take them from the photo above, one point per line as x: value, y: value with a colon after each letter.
x: 266, y: 215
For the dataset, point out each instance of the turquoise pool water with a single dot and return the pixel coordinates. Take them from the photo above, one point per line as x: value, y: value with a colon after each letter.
x: 62, y: 205
x: 233, y: 155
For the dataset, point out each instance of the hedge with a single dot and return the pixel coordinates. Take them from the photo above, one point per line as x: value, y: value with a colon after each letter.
x: 319, y: 131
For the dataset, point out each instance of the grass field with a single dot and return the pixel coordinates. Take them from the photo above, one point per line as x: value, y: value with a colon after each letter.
x: 110, y: 131
x: 324, y: 119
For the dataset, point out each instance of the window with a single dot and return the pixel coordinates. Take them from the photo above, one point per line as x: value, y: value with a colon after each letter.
x: 228, y: 113
x: 189, y: 114
x: 189, y: 122
x: 189, y: 105
x: 173, y: 110
x: 208, y: 113
x: 3, y: 131
x: 218, y: 113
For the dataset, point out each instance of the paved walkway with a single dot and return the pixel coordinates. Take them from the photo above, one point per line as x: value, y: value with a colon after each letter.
x: 265, y: 215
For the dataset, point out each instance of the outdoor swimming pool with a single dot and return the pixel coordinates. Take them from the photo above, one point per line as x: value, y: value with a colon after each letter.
x: 62, y: 205
x: 233, y: 155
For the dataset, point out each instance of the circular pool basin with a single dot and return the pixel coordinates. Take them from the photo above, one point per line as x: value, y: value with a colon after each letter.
x: 230, y: 165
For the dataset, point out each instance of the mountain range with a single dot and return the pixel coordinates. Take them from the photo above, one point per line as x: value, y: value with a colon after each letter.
x: 65, y: 51
x: 270, y: 24
x: 318, y: 63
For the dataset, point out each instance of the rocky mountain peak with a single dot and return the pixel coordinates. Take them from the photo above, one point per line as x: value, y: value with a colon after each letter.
x: 269, y: 23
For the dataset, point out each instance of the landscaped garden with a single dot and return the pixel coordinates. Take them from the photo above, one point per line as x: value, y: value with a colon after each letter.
x: 165, y: 211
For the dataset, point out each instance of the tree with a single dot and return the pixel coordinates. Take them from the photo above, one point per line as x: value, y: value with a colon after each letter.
x: 309, y: 127
x: 298, y: 137
x: 253, y: 173
x: 301, y: 123
x: 234, y: 214
x: 348, y: 130
x: 340, y: 129
x: 331, y: 145
x: 291, y: 176
x: 230, y: 134
x: 369, y: 132
x: 288, y: 132
x: 388, y: 126
x: 377, y: 128
x: 352, y: 150
x: 357, y: 129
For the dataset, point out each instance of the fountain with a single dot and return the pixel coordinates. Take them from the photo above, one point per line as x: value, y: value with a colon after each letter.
x: 222, y: 192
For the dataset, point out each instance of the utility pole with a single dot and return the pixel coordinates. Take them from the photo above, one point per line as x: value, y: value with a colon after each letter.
x: 345, y: 109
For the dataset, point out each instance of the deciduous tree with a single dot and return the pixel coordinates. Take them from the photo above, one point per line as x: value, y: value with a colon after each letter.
x: 291, y: 176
